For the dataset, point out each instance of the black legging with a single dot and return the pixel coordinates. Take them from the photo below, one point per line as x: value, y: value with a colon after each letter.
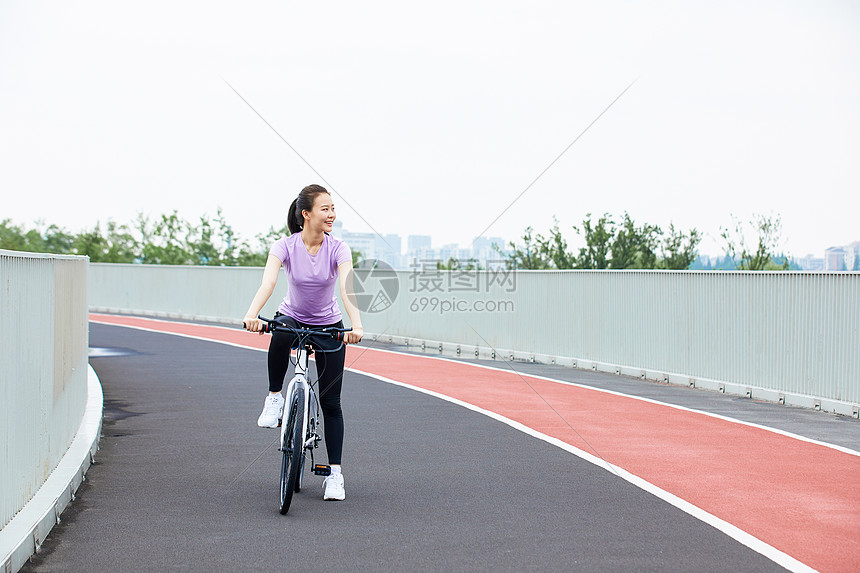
x: 330, y: 372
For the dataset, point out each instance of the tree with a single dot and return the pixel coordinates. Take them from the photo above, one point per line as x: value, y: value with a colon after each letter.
x: 458, y: 265
x: 231, y: 243
x: 57, y: 240
x: 257, y: 255
x: 201, y: 245
x: 13, y: 237
x: 768, y: 231
x: 555, y: 248
x: 91, y: 244
x: 164, y: 243
x: 168, y: 239
x: 634, y: 247
x: 607, y: 246
x: 679, y: 249
x: 598, y: 242
x: 213, y: 243
x: 121, y: 244
x: 53, y: 240
x: 531, y: 255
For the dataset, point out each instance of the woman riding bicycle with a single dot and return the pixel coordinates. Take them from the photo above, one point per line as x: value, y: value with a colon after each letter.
x: 312, y: 261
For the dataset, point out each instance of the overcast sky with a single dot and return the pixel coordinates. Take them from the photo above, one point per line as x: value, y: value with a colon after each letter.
x: 432, y: 118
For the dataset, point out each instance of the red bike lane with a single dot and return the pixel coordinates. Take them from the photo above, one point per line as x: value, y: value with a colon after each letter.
x: 801, y: 498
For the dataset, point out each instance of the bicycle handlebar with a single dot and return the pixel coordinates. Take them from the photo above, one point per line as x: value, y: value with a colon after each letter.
x: 332, y: 332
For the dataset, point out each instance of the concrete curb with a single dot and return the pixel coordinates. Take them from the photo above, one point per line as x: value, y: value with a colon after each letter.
x: 24, y: 535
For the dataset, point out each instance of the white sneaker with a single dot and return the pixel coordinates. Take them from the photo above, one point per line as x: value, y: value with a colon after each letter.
x: 334, y: 490
x: 273, y: 410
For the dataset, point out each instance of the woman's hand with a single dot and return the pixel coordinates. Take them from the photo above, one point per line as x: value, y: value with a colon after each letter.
x: 252, y: 324
x: 354, y: 335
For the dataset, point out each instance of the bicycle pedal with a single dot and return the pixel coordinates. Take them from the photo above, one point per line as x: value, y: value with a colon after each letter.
x: 322, y: 470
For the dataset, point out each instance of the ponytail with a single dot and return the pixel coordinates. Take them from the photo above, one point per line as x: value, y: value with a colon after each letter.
x: 295, y: 221
x: 304, y: 202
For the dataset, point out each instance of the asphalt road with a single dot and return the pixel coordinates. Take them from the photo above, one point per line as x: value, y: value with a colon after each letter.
x: 184, y: 480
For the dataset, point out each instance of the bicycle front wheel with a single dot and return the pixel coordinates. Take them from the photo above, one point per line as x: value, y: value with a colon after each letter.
x: 301, y: 471
x: 293, y: 449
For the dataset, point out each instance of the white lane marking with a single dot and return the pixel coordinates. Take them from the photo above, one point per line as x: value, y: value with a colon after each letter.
x: 725, y: 527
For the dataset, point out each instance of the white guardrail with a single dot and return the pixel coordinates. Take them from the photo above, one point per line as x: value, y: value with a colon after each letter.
x: 787, y: 337
x: 45, y: 392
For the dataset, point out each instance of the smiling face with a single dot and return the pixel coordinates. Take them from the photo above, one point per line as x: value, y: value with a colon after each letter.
x: 321, y: 217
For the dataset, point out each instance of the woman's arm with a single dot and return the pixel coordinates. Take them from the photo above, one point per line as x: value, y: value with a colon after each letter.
x: 347, y: 295
x: 267, y: 287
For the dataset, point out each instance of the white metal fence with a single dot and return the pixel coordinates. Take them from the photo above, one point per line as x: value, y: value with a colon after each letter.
x: 43, y: 369
x: 792, y: 337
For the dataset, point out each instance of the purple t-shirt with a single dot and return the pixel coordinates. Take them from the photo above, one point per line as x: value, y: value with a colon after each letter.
x: 311, y: 278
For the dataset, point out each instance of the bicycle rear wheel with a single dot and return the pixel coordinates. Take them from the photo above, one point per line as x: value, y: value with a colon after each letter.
x: 292, y: 451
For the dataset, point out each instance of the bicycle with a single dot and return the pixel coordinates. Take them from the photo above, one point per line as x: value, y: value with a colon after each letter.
x: 299, y: 435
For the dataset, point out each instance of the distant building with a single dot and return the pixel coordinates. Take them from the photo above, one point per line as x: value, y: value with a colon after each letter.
x: 388, y: 249
x: 418, y: 243
x: 419, y: 252
x: 483, y: 251
x: 834, y: 259
x: 811, y: 263
x: 372, y: 246
x: 845, y: 258
x: 365, y: 243
x: 454, y: 251
x: 852, y: 256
